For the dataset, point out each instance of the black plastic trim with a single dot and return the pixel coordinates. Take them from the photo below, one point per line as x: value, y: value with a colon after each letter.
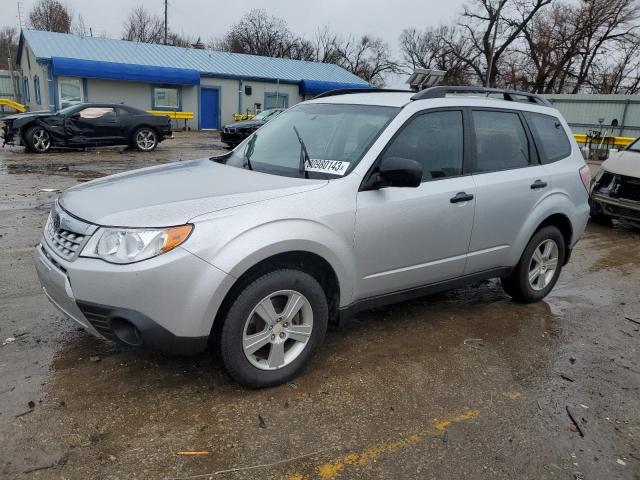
x: 420, y: 291
x: 154, y: 336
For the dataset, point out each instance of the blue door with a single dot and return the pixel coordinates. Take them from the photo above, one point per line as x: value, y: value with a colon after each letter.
x: 209, y: 103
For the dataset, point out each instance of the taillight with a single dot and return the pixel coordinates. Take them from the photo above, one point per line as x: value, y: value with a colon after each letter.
x: 585, y: 176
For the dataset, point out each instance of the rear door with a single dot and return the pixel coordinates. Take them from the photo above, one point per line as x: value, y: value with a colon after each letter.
x: 408, y: 237
x: 509, y: 181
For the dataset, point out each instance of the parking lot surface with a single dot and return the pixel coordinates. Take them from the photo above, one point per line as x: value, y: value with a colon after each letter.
x: 465, y: 384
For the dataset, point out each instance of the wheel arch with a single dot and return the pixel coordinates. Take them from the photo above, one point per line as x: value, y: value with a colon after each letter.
x: 309, y: 262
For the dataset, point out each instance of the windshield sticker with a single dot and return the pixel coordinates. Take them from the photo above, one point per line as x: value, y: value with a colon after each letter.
x: 333, y: 167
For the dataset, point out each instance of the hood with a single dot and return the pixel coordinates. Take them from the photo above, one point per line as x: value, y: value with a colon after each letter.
x: 174, y: 193
x: 17, y: 116
x: 246, y: 124
x: 625, y: 163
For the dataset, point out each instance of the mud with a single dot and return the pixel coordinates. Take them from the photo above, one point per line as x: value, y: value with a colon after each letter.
x: 465, y: 384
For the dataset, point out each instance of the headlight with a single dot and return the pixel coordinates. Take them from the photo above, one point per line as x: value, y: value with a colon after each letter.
x: 129, y: 245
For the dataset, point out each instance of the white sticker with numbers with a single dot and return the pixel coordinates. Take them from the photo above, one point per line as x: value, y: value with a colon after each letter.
x: 333, y: 167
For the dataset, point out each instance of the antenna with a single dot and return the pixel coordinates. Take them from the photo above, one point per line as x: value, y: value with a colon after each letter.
x: 19, y: 13
x: 165, y: 21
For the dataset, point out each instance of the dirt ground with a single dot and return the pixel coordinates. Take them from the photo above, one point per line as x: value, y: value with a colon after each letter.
x: 465, y: 384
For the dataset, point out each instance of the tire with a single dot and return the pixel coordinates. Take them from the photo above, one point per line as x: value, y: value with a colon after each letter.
x: 37, y: 139
x: 145, y: 139
x: 260, y: 365
x: 518, y: 285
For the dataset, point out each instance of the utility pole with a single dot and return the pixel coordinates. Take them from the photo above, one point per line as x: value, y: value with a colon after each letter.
x: 19, y: 14
x: 165, y: 21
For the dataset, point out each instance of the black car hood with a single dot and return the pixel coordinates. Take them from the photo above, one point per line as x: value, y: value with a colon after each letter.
x: 20, y: 116
x: 246, y: 124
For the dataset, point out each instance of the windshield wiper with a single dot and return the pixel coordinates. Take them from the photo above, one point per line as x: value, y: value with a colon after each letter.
x: 304, y: 154
x: 249, y: 150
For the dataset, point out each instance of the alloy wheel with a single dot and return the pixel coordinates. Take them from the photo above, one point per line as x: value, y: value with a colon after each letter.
x: 146, y: 139
x: 543, y: 264
x: 41, y: 140
x: 277, y: 330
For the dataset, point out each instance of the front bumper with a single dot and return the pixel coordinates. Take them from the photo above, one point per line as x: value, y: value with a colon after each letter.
x: 171, y: 300
x: 615, y: 207
x: 233, y: 138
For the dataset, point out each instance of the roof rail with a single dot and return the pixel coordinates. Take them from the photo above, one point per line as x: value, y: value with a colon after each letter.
x: 345, y: 91
x: 442, y: 91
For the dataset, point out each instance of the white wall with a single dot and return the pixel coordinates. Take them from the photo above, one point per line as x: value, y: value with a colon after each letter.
x: 30, y: 68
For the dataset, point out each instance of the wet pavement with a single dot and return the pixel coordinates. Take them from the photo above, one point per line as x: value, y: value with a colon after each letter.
x: 465, y: 384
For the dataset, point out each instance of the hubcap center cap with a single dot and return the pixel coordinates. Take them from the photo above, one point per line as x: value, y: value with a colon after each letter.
x: 278, y: 329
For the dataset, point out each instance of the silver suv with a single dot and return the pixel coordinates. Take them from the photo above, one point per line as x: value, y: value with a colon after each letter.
x: 345, y: 202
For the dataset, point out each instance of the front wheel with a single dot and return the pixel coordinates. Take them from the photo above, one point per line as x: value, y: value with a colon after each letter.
x: 145, y: 139
x: 38, y: 140
x: 539, y: 267
x: 273, y: 327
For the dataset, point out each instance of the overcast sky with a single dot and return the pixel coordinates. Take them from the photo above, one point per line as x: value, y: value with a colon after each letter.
x: 212, y: 18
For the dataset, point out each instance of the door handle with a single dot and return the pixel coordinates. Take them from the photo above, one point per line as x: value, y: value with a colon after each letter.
x: 538, y: 184
x: 461, y: 197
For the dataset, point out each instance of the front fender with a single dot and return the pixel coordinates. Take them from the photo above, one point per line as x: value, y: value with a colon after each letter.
x: 238, y: 253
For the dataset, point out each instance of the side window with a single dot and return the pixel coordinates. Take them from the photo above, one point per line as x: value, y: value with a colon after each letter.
x: 435, y: 140
x: 550, y: 137
x: 501, y: 141
x: 97, y: 112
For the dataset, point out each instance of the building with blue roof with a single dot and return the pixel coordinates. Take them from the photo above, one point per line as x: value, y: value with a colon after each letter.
x: 60, y: 69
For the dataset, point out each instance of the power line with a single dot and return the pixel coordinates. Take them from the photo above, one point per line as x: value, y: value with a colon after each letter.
x: 165, y: 21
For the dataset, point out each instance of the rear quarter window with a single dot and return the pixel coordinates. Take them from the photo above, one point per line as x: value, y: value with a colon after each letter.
x: 550, y: 137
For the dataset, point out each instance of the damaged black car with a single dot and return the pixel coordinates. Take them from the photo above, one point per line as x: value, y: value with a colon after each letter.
x: 86, y: 125
x: 615, y: 192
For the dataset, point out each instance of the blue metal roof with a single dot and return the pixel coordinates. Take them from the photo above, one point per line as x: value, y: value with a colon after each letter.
x: 46, y: 45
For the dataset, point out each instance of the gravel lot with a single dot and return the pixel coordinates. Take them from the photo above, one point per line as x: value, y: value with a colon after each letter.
x: 465, y: 384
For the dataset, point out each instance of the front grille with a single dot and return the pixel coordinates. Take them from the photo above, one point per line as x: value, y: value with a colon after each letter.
x: 628, y: 188
x: 623, y: 211
x: 65, y: 234
x: 229, y: 130
x: 100, y: 322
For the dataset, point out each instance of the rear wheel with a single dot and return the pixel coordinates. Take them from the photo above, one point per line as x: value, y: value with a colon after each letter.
x: 273, y: 327
x: 38, y: 139
x: 145, y: 139
x: 539, y: 267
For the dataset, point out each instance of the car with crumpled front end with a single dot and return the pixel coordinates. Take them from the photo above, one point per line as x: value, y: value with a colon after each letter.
x: 615, y: 191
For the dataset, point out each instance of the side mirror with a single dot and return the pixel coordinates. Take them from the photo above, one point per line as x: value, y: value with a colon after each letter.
x: 400, y: 172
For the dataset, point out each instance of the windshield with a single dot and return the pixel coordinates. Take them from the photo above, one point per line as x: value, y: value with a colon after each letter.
x: 328, y: 139
x: 635, y: 146
x: 264, y: 114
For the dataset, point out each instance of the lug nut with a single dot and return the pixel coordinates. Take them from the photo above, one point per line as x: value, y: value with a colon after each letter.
x: 282, y: 335
x: 286, y: 325
x: 273, y: 337
x: 270, y: 327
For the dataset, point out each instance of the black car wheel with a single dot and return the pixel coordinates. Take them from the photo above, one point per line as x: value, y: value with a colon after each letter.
x: 38, y: 140
x: 145, y: 139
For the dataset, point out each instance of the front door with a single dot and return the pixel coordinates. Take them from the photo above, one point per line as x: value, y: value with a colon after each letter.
x: 509, y: 183
x: 408, y: 237
x: 98, y: 125
x: 209, y: 107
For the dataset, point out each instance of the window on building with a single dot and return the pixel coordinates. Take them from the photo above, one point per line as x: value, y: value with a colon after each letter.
x: 36, y: 89
x: 501, y: 141
x: 276, y: 100
x: 550, y: 137
x: 166, y: 98
x: 434, y: 140
x: 70, y: 91
x: 25, y: 89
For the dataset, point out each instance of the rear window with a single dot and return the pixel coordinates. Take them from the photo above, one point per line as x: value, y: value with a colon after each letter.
x: 550, y: 137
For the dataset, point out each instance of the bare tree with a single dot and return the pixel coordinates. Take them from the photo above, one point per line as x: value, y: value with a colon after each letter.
x: 441, y: 48
x: 50, y: 15
x: 369, y: 58
x: 80, y: 27
x: 142, y: 26
x: 8, y: 46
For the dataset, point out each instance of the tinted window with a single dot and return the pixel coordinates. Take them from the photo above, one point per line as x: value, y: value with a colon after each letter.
x: 551, y: 138
x: 501, y: 141
x: 434, y: 140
